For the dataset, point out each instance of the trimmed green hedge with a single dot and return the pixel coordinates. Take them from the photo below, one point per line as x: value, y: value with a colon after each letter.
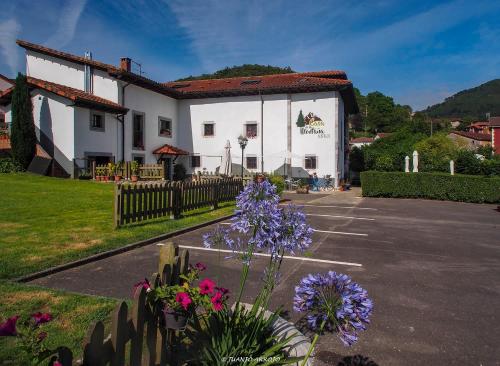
x: 439, y: 186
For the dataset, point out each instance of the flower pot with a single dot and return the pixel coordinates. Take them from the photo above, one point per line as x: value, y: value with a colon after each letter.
x: 134, y: 178
x: 302, y: 190
x: 174, y: 320
x: 98, y: 178
x: 118, y: 178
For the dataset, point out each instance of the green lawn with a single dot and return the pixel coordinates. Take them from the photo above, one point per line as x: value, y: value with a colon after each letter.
x: 73, y: 315
x: 48, y: 221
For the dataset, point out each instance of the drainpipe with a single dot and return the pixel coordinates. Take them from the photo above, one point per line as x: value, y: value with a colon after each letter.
x: 123, y: 121
x: 261, y: 132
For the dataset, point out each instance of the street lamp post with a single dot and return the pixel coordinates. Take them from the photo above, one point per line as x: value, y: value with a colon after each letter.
x: 243, y: 143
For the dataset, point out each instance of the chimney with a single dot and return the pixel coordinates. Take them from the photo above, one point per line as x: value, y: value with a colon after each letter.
x: 125, y: 63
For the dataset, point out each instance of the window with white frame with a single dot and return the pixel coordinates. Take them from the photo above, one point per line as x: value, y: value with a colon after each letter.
x: 164, y: 127
x: 96, y: 121
x: 251, y: 130
x: 195, y: 161
x: 251, y: 162
x: 208, y: 129
x: 311, y: 162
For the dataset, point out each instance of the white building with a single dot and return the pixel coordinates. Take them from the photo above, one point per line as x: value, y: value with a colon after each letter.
x: 87, y: 109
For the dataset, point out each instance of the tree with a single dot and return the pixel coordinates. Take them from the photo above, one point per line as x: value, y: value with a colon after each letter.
x: 300, y: 120
x: 23, y: 135
x: 243, y: 70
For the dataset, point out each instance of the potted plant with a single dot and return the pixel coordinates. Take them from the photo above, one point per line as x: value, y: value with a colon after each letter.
x: 109, y: 172
x: 178, y: 303
x: 134, y: 166
x: 302, y: 188
x: 116, y: 171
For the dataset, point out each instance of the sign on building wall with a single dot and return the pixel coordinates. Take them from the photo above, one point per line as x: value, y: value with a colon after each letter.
x: 311, y: 125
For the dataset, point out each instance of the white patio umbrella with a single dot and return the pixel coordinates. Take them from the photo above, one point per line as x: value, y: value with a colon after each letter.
x: 226, y: 159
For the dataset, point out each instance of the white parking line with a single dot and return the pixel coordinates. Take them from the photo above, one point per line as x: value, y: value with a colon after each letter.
x: 321, y: 231
x: 304, y: 259
x: 359, y: 208
x: 342, y: 217
x: 339, y: 232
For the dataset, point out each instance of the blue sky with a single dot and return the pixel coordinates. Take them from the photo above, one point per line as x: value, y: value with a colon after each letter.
x: 419, y: 52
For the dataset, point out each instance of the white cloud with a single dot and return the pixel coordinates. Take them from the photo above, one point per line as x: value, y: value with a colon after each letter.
x: 9, y: 31
x: 68, y: 20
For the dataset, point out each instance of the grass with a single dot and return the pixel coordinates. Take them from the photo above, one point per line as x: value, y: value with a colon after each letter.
x: 73, y: 315
x: 49, y: 221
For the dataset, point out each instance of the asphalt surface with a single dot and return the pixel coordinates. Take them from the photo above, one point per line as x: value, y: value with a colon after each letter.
x: 431, y: 267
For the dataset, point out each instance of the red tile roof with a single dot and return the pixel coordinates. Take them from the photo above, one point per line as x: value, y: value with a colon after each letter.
x: 479, y: 124
x: 495, y: 121
x: 383, y: 134
x: 77, y: 96
x: 169, y: 150
x: 65, y: 56
x: 270, y: 84
x: 5, y: 78
x: 361, y: 140
x: 473, y: 135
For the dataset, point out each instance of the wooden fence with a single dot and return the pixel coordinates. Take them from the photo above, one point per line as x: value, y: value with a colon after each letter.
x: 137, y: 337
x: 139, y: 202
x: 146, y: 171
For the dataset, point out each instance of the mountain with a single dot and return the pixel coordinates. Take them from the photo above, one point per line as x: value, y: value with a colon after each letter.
x: 242, y: 70
x: 473, y: 103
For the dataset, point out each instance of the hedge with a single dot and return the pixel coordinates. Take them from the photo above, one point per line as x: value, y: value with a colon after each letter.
x: 439, y: 186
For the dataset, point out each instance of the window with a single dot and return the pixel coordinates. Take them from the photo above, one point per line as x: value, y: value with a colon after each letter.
x: 311, y: 162
x: 138, y: 158
x: 164, y: 127
x: 251, y: 130
x: 3, y: 125
x: 96, y: 121
x: 209, y: 129
x: 195, y: 161
x: 138, y: 131
x: 251, y: 162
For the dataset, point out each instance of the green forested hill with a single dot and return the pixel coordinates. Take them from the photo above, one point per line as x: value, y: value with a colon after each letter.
x: 474, y: 102
x: 243, y: 70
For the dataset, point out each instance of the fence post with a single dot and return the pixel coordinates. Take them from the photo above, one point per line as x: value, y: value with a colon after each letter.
x: 93, y: 165
x: 216, y: 188
x: 118, y: 208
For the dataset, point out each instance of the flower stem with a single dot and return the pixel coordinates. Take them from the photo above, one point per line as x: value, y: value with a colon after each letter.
x: 315, y: 339
x: 246, y: 267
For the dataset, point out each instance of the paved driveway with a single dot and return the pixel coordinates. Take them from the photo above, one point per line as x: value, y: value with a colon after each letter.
x: 432, y: 268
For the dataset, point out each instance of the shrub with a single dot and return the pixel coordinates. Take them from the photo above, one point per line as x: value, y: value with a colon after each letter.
x: 435, y: 153
x: 441, y: 186
x: 9, y: 165
x: 179, y: 172
x: 467, y: 163
x: 279, y: 182
x: 384, y: 163
x: 356, y: 159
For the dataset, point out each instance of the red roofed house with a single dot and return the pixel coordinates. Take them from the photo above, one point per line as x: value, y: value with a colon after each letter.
x: 361, y: 141
x: 479, y: 127
x: 495, y: 134
x: 86, y: 110
x: 471, y: 140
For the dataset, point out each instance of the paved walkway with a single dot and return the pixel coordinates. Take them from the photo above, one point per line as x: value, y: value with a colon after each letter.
x: 432, y: 268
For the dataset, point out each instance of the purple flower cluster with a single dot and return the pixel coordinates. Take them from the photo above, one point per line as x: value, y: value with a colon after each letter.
x: 258, y: 210
x: 218, y: 238
x: 294, y: 234
x: 336, y: 300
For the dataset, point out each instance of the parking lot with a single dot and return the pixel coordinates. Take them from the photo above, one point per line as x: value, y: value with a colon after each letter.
x: 432, y: 268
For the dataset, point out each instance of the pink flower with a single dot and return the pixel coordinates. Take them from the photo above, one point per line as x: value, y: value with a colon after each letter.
x: 200, y: 266
x: 217, y: 301
x: 41, y: 318
x: 8, y: 328
x: 183, y: 299
x: 57, y: 363
x: 207, y: 286
x: 144, y: 284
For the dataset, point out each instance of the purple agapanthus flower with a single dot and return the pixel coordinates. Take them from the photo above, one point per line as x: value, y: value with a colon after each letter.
x: 335, y: 299
x: 258, y: 213
x: 218, y: 238
x: 294, y: 234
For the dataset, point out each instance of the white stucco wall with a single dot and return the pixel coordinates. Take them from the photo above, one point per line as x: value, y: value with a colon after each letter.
x: 230, y: 114
x: 92, y: 142
x: 71, y: 74
x: 54, y: 116
x: 153, y: 105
